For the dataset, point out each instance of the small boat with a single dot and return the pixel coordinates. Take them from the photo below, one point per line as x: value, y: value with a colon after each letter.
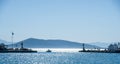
x: 48, y: 50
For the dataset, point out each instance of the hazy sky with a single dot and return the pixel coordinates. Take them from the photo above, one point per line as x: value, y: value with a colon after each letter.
x: 74, y: 20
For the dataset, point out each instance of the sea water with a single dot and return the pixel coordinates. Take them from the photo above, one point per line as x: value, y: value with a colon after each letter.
x: 60, y: 58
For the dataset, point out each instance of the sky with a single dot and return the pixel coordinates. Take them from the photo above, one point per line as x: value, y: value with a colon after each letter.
x: 73, y: 20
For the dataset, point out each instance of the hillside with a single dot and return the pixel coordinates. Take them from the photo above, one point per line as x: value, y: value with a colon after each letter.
x: 101, y: 44
x: 5, y: 42
x: 40, y: 43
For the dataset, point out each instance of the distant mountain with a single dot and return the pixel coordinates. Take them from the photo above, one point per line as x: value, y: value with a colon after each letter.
x: 101, y: 44
x: 40, y: 43
x: 3, y: 41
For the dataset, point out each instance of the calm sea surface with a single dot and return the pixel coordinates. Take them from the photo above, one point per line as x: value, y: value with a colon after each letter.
x: 59, y: 58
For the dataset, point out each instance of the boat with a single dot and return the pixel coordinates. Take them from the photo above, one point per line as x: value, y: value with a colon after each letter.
x: 48, y: 50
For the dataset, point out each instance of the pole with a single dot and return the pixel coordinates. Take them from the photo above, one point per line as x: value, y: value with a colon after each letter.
x: 12, y: 39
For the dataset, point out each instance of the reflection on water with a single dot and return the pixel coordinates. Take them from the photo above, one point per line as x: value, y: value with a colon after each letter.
x: 58, y: 49
x: 61, y: 49
x: 59, y: 58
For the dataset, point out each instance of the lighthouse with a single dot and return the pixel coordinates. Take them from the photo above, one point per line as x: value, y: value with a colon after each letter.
x: 83, y: 47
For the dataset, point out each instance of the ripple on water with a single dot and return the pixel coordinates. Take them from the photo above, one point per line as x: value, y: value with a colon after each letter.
x: 59, y: 58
